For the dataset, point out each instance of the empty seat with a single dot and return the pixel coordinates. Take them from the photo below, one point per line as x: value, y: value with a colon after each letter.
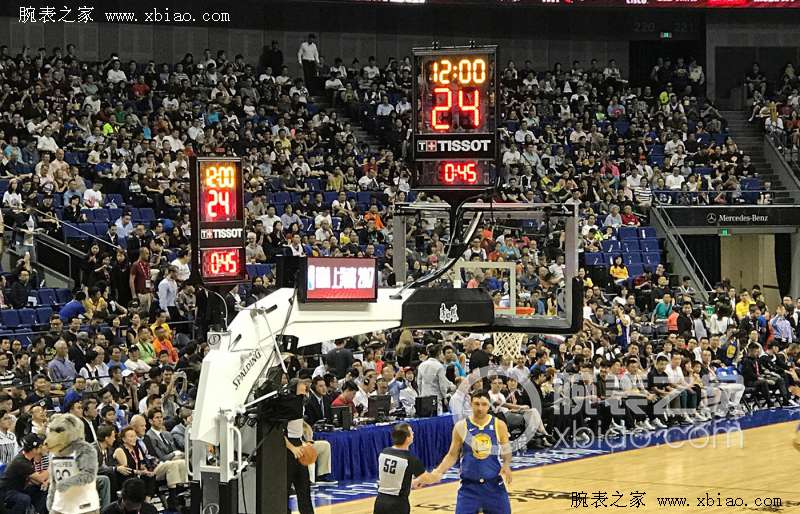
x: 101, y: 215
x: 631, y: 245
x: 649, y: 245
x: 380, y: 250
x: 9, y: 318
x: 147, y: 214
x: 43, y: 315
x: 647, y: 233
x: 27, y: 317
x: 631, y: 258
x: 100, y: 228
x: 46, y: 296
x: 651, y: 258
x: 63, y: 295
x: 634, y: 270
x: 627, y: 233
x: 593, y: 259
x: 608, y: 258
x: 86, y: 228
x: 251, y: 271
x: 611, y: 245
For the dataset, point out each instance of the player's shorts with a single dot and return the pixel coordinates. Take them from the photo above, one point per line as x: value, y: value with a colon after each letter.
x: 388, y: 504
x: 489, y: 496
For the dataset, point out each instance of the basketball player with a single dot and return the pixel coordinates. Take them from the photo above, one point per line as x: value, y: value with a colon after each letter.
x: 396, y: 467
x: 482, y: 441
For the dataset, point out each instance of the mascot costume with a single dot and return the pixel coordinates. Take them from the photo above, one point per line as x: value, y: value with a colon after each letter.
x: 73, y: 468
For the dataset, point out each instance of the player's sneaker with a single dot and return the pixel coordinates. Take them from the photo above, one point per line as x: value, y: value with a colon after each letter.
x: 326, y: 480
x: 658, y: 423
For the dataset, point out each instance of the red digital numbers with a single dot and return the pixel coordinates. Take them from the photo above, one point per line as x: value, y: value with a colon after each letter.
x: 458, y: 173
x: 218, y: 192
x: 221, y: 262
x: 469, y: 103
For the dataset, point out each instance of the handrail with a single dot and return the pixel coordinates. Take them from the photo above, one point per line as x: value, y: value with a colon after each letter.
x: 674, y: 237
x: 49, y: 216
x: 769, y: 139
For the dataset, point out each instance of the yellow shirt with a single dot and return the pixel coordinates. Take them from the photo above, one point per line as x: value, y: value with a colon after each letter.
x: 743, y: 308
x: 618, y: 272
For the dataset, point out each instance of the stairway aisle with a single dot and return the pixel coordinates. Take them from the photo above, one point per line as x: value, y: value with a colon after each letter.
x: 749, y: 138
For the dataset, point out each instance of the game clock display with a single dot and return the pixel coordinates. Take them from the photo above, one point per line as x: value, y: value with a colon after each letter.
x: 455, y: 118
x: 221, y: 262
x: 456, y: 93
x: 218, y: 221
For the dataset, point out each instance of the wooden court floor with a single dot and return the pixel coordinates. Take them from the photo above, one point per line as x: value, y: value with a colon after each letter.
x: 731, y: 473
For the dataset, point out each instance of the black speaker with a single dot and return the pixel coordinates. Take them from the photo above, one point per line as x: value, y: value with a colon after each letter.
x: 287, y: 267
x: 426, y: 406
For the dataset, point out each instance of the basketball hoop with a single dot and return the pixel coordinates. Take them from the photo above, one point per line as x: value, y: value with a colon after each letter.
x: 508, y: 344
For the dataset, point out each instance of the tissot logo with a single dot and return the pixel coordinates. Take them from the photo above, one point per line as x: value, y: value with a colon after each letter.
x: 453, y: 145
x: 221, y: 233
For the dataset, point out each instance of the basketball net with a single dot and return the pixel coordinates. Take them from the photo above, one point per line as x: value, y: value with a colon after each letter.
x: 508, y: 344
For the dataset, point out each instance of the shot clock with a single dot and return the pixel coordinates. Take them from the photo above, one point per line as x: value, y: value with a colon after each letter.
x: 455, y: 119
x: 218, y: 221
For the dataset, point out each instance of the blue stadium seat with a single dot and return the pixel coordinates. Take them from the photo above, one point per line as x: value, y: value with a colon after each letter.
x: 651, y: 258
x: 647, y: 233
x: 251, y: 271
x: 634, y: 270
x: 593, y: 259
x: 337, y: 223
x: 63, y: 295
x: 88, y: 228
x: 101, y: 215
x: 611, y: 245
x: 9, y: 318
x: 314, y: 184
x: 71, y: 232
x: 43, y: 315
x: 631, y: 245
x: 116, y: 199
x: 27, y: 317
x: 631, y: 258
x: 46, y: 296
x: 626, y: 233
x: 308, y: 225
x: 649, y: 245
x: 147, y: 214
x: 100, y: 228
x: 380, y: 250
x: 364, y: 197
x: 135, y: 216
x: 281, y: 197
x: 608, y: 258
x: 329, y: 196
x: 24, y: 336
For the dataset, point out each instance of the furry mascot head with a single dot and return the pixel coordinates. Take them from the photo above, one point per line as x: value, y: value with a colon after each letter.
x: 73, y: 467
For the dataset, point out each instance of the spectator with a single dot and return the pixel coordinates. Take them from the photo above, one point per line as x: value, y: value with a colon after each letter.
x: 21, y: 484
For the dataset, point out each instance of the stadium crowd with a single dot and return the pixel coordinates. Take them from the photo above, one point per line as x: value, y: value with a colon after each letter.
x: 97, y: 154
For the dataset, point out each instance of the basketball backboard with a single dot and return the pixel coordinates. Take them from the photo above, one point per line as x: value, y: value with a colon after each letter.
x: 523, y: 257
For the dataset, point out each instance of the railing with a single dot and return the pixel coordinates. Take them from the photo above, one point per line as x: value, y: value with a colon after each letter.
x: 99, y: 240
x: 684, y: 253
x: 738, y: 197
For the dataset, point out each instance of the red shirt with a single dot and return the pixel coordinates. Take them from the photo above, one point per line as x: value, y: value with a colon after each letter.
x: 141, y: 277
x: 630, y: 219
x: 341, y: 402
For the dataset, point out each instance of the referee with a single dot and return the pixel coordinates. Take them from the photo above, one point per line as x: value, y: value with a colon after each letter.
x: 396, y: 467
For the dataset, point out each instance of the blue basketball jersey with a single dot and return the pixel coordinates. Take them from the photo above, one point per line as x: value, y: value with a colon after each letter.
x: 480, y: 453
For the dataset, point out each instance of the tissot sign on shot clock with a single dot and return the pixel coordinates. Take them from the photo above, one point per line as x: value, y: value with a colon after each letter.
x: 455, y: 118
x: 218, y: 221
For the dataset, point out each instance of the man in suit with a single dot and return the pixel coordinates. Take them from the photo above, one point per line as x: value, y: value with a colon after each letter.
x: 318, y: 404
x: 753, y: 374
x: 158, y: 439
